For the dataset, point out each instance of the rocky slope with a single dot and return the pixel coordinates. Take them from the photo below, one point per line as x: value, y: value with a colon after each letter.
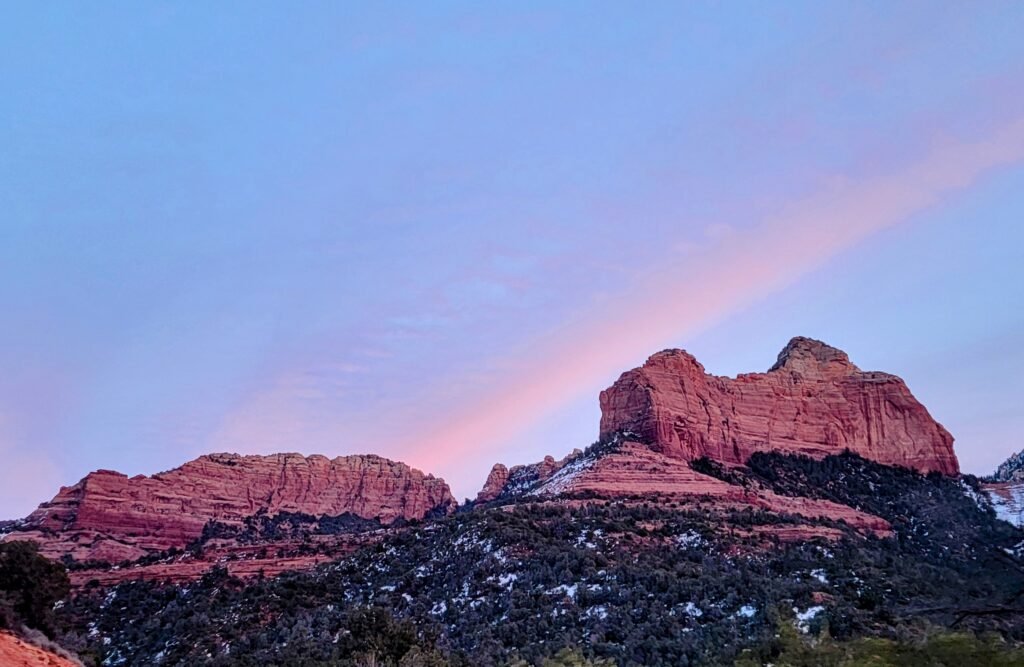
x: 631, y: 469
x: 16, y: 652
x: 813, y: 401
x: 1010, y: 470
x: 1005, y: 490
x: 503, y: 480
x: 110, y: 517
x: 634, y: 581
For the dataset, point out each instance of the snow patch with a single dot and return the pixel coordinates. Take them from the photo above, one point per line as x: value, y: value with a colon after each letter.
x: 508, y: 579
x: 690, y: 538
x: 747, y: 611
x: 566, y: 590
x: 1009, y: 507
x: 969, y: 491
x: 563, y: 480
x: 804, y: 618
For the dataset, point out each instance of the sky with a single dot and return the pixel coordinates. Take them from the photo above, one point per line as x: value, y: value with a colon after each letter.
x: 436, y: 231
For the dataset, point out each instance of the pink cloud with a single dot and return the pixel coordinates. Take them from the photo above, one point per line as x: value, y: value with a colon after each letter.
x: 677, y: 300
x: 694, y: 288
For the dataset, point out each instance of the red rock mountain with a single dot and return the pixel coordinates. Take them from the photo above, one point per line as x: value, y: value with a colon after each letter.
x: 813, y: 401
x: 660, y: 417
x: 655, y: 421
x: 109, y: 516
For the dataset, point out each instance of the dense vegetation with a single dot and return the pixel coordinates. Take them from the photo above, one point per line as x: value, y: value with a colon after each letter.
x: 30, y: 586
x: 261, y: 527
x: 931, y: 648
x: 639, y: 582
x: 942, y: 534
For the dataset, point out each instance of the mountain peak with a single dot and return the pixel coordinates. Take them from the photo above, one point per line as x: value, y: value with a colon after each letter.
x: 812, y: 357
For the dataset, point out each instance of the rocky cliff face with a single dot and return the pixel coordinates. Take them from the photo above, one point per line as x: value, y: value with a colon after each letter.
x: 109, y: 516
x: 813, y: 401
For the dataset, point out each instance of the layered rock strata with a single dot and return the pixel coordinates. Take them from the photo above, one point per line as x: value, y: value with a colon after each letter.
x: 109, y: 516
x: 813, y: 401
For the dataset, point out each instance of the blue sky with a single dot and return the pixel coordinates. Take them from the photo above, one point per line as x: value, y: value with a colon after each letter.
x: 338, y: 228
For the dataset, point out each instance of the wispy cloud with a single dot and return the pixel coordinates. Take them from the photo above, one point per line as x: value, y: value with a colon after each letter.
x: 460, y: 426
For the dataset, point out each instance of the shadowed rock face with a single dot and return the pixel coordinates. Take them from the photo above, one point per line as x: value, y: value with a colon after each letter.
x: 813, y: 401
x: 109, y: 516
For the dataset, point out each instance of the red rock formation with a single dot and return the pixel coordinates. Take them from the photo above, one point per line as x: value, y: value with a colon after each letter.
x: 503, y: 480
x: 633, y: 469
x: 496, y: 481
x: 658, y: 418
x: 16, y: 652
x: 813, y: 401
x: 108, y: 516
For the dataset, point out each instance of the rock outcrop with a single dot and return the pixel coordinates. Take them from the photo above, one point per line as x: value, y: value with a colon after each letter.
x: 109, y: 516
x: 813, y: 401
x: 496, y: 481
x: 504, y: 481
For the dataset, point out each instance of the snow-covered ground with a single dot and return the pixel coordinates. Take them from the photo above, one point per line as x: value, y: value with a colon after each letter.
x: 1008, y: 501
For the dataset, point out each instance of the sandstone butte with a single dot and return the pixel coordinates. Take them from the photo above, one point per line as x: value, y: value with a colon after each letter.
x: 670, y: 412
x: 109, y: 516
x: 813, y: 401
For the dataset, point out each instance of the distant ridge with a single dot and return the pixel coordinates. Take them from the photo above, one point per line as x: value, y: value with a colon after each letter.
x: 109, y: 516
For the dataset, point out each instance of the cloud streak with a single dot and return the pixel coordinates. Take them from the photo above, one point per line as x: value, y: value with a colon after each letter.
x: 693, y: 292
